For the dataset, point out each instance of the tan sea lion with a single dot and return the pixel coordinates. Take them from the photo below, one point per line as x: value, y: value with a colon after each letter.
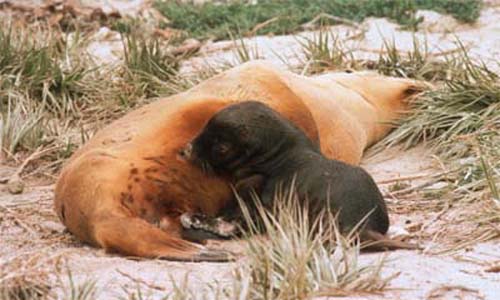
x: 129, y: 178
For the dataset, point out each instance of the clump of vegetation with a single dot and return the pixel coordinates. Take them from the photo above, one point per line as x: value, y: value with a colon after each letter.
x: 214, y: 20
x: 34, y: 61
x: 51, y: 91
x: 464, y: 103
x: 19, y: 128
x: 300, y: 258
x: 86, y: 290
x: 148, y: 63
x: 325, y: 51
x: 23, y: 288
x: 242, y: 51
x: 418, y: 63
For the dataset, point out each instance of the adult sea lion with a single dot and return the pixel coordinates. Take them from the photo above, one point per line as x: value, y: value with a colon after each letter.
x: 250, y: 140
x: 126, y: 188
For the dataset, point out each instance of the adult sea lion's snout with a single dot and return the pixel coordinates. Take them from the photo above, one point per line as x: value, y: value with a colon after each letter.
x: 187, y: 152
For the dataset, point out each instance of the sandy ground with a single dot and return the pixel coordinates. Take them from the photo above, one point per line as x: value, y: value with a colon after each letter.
x: 33, y: 240
x: 422, y: 274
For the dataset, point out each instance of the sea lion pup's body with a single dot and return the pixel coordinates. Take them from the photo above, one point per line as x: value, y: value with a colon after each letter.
x: 249, y: 140
x: 129, y: 177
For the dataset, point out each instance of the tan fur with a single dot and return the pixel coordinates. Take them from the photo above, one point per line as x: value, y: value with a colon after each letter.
x: 129, y: 177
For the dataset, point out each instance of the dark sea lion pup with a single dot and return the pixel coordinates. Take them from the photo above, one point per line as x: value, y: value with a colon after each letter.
x: 249, y: 140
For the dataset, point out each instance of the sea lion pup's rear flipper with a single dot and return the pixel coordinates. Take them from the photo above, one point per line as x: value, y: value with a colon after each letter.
x: 375, y: 241
x: 136, y: 237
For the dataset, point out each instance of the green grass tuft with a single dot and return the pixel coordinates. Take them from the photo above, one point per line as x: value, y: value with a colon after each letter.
x: 214, y: 20
x: 148, y: 63
x: 36, y: 61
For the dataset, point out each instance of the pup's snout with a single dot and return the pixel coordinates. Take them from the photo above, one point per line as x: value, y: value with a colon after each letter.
x: 187, y: 151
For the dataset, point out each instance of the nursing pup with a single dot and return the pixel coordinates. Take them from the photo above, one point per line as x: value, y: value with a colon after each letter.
x: 250, y: 140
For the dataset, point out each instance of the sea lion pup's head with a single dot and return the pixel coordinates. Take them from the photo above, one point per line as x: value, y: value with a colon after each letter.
x: 244, y: 138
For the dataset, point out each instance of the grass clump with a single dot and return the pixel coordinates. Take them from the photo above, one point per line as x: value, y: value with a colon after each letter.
x: 324, y: 51
x: 418, y: 63
x: 23, y: 288
x: 464, y: 103
x: 43, y: 77
x: 33, y: 61
x: 148, y: 64
x: 213, y: 20
x: 86, y: 290
x: 300, y: 258
x: 53, y: 95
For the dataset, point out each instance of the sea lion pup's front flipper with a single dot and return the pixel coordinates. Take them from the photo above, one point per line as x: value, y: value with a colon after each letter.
x: 136, y: 237
x: 375, y: 241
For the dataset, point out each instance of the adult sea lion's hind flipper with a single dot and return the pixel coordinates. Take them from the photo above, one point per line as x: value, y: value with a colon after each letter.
x: 136, y: 237
x: 375, y: 241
